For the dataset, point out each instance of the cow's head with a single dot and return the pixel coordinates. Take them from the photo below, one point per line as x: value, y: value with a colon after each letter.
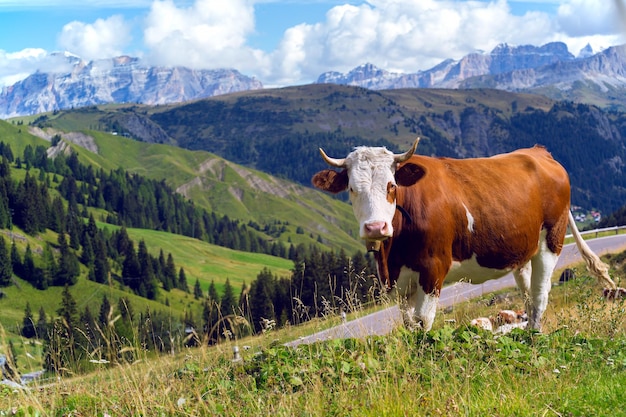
x: 371, y: 176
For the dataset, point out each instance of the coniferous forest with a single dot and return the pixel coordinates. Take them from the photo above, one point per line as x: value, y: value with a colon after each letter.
x: 59, y: 195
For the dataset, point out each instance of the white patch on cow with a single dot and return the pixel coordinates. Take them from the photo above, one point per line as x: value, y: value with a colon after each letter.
x: 522, y: 278
x: 543, y: 264
x: 470, y: 271
x: 425, y: 308
x: 418, y: 308
x: 470, y: 219
x: 369, y: 172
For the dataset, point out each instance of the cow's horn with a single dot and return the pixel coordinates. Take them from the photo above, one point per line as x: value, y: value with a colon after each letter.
x: 333, y: 162
x: 404, y: 156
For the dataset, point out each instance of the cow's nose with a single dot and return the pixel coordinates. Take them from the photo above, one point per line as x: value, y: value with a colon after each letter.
x: 376, y: 230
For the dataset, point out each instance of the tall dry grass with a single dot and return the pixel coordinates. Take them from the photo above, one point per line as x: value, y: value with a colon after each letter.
x: 577, y: 366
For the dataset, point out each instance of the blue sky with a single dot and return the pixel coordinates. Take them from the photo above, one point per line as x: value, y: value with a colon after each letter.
x: 293, y: 41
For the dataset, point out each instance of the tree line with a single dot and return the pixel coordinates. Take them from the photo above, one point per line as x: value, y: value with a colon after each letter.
x: 129, y: 199
x: 28, y: 204
x: 75, y: 340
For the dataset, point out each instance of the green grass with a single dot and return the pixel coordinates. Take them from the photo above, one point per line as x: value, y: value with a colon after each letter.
x: 576, y: 367
x: 210, y: 262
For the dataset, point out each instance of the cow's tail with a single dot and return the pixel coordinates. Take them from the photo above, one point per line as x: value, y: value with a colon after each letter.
x: 594, y: 264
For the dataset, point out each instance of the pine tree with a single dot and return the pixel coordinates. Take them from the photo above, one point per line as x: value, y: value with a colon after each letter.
x: 68, y: 267
x: 16, y: 260
x: 68, y: 311
x: 49, y: 269
x: 105, y: 314
x: 31, y: 206
x: 197, y: 290
x: 87, y: 255
x: 42, y: 324
x: 213, y: 296
x: 91, y: 229
x: 6, y: 268
x: 228, y: 305
x: 146, y: 275
x: 61, y: 347
x: 6, y: 220
x: 228, y: 302
x: 214, y: 303
x: 57, y: 215
x: 182, y: 280
x: 28, y: 323
x: 169, y: 270
x: 101, y: 266
x: 261, y: 306
x: 130, y: 267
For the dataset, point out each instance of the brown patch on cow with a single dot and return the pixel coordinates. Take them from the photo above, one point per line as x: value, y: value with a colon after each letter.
x: 391, y: 192
x: 331, y: 181
x: 511, y: 197
x: 409, y: 173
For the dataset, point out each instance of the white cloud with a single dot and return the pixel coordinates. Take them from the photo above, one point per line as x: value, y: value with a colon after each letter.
x: 105, y: 38
x: 412, y: 35
x: 398, y: 35
x: 208, y: 34
x: 403, y: 35
x: 591, y: 21
x: 587, y: 17
x: 15, y: 66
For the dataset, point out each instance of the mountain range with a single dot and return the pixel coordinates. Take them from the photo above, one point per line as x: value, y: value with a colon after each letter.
x: 591, y: 77
x: 551, y: 70
x: 123, y: 79
x: 450, y: 73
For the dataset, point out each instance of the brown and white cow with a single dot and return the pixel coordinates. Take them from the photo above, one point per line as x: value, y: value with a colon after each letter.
x: 444, y: 220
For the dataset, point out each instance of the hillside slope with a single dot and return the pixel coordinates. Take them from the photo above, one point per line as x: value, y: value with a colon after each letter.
x: 223, y: 187
x: 279, y: 131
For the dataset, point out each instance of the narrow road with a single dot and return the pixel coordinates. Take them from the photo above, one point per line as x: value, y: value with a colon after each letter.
x: 382, y: 322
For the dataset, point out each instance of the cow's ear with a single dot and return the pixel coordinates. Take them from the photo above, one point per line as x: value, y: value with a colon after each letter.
x: 331, y: 181
x: 409, y: 174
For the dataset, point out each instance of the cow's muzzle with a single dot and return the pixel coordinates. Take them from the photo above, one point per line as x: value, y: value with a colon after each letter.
x: 378, y: 230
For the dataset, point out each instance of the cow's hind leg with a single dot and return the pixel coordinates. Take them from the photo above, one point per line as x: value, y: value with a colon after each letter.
x: 522, y: 278
x: 543, y: 264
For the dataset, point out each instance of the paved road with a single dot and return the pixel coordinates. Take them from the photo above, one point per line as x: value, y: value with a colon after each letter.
x: 382, y: 322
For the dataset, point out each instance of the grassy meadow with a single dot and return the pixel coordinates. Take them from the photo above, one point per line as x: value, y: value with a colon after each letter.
x: 575, y: 367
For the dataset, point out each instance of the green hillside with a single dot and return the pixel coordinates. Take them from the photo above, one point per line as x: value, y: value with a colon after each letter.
x: 278, y: 131
x: 220, y: 186
x: 201, y: 261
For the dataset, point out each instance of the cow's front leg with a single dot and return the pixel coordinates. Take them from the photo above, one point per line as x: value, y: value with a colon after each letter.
x: 417, y: 307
